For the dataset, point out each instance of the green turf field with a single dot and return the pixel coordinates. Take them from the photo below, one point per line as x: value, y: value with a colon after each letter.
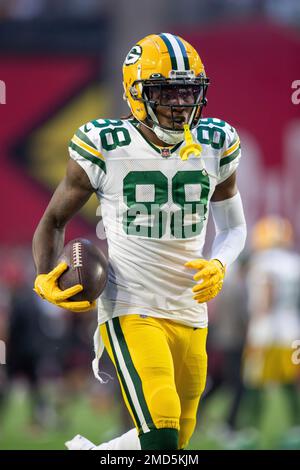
x: 98, y: 426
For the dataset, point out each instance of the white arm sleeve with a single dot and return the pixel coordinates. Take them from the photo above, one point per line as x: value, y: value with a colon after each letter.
x: 231, y: 230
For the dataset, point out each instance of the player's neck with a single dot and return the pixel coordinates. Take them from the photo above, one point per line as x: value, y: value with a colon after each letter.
x: 150, y: 135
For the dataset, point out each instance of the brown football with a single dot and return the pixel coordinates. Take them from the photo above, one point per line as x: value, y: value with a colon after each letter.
x: 87, y: 265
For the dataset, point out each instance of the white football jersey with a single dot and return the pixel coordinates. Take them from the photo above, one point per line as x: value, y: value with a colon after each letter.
x: 279, y: 270
x: 155, y: 208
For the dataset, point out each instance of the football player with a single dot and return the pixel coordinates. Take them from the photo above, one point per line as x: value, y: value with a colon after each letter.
x: 274, y: 326
x: 155, y: 173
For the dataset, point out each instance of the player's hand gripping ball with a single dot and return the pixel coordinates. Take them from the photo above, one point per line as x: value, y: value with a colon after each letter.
x: 211, y: 274
x: 78, y: 279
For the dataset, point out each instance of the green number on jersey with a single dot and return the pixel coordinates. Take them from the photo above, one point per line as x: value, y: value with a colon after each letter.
x: 196, y: 208
x: 116, y: 137
x: 112, y: 137
x: 155, y: 218
x: 214, y: 121
x: 157, y: 194
x: 107, y: 122
x: 213, y: 136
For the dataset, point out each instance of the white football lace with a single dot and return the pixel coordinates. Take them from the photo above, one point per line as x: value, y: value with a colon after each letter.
x: 77, y: 255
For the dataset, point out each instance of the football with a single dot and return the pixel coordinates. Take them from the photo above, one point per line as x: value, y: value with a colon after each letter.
x: 87, y: 265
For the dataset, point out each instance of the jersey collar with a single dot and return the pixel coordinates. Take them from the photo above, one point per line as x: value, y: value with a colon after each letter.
x: 165, y: 152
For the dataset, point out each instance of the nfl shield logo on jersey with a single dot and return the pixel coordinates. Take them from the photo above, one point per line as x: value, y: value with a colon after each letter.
x: 165, y: 152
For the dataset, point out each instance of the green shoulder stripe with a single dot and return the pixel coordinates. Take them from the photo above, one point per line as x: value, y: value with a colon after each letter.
x: 85, y: 138
x: 231, y: 157
x: 235, y: 139
x: 88, y: 156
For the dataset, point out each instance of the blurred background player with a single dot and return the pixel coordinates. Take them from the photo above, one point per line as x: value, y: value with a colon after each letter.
x: 274, y: 321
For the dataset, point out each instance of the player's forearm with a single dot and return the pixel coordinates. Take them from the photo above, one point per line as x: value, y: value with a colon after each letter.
x: 231, y: 230
x: 48, y: 242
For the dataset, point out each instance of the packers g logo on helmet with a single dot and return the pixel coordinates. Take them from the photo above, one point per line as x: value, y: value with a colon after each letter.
x: 163, y: 60
x: 133, y: 55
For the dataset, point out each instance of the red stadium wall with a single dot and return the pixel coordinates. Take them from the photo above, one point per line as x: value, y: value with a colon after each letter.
x: 36, y: 88
x: 252, y: 68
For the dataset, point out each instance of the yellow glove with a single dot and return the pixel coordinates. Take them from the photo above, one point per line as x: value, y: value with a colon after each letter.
x: 46, y: 286
x: 212, y: 274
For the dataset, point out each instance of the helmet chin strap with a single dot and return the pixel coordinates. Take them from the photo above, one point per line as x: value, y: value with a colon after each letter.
x: 169, y: 137
x: 166, y: 135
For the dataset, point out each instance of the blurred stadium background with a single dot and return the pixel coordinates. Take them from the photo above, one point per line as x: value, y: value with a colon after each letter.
x: 61, y: 62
